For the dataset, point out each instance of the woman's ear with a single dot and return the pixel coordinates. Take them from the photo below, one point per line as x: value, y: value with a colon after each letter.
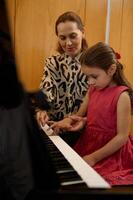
x: 112, y: 70
x: 83, y: 32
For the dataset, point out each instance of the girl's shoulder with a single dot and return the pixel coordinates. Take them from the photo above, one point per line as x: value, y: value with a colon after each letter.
x: 119, y: 91
x: 113, y: 92
x: 121, y: 88
x: 123, y: 92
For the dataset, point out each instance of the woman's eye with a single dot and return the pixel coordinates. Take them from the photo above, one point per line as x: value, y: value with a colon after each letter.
x: 73, y: 36
x: 62, y: 37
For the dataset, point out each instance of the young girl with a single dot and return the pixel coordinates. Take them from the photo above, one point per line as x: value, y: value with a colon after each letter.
x: 106, y: 143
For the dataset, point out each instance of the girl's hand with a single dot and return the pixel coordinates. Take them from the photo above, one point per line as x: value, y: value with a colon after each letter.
x: 90, y: 160
x: 42, y: 117
x: 77, y: 122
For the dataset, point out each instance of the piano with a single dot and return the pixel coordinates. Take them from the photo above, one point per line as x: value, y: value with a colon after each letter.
x: 77, y: 180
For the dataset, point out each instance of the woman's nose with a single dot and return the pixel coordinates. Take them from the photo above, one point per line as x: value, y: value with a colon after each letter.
x: 68, y: 42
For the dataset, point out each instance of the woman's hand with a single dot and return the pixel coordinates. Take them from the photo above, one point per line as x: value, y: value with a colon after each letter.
x: 42, y: 117
x: 90, y: 160
x: 64, y: 124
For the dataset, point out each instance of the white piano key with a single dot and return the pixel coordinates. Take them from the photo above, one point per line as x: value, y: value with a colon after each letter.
x: 87, y: 173
x: 72, y: 182
x: 46, y: 128
x: 64, y: 171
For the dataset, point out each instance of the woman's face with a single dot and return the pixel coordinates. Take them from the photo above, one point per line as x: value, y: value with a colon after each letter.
x: 70, y: 37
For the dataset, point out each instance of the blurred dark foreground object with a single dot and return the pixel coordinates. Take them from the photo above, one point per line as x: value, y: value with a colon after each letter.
x: 38, y: 100
x: 25, y: 166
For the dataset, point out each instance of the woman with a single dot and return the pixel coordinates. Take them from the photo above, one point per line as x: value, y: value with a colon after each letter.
x: 63, y: 82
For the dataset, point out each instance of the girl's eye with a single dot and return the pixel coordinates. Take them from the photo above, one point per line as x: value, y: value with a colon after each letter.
x: 95, y: 77
x: 92, y: 76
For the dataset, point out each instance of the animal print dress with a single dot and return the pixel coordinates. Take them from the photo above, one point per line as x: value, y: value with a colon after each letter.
x: 64, y: 85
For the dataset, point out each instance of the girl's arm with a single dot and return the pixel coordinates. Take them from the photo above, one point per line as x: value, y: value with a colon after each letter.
x: 123, y: 127
x: 83, y: 107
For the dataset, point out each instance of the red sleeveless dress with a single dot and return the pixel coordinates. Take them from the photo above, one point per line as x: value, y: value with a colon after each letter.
x: 101, y: 127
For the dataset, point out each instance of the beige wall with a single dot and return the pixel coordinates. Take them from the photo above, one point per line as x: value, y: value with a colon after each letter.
x: 32, y: 26
x: 121, y: 35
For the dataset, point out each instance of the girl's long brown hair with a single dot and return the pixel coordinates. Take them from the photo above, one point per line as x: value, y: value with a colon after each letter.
x: 103, y: 56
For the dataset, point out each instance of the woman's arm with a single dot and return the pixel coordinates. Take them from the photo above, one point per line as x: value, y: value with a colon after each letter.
x: 48, y: 83
x: 74, y: 123
x: 48, y: 87
x: 123, y: 127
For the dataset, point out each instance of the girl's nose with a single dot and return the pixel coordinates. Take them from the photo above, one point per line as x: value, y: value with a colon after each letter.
x: 91, y: 81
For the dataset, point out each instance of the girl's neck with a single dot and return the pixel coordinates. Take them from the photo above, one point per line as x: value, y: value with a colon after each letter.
x: 112, y: 84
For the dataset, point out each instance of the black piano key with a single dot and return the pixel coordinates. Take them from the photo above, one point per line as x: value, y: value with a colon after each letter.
x: 66, y: 173
x: 70, y: 176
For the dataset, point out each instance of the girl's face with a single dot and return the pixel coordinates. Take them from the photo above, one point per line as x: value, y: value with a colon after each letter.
x: 98, y: 77
x: 70, y: 37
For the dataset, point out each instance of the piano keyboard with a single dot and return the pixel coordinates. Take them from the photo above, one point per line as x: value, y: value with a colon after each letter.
x: 70, y: 167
